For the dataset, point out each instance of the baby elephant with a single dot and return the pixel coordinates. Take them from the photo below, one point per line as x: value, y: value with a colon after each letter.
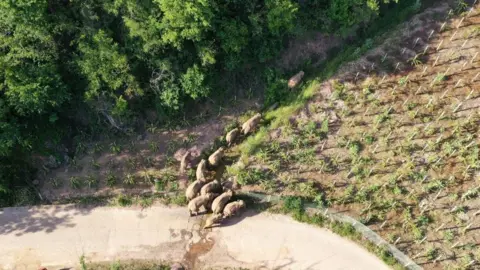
x: 193, y: 189
x: 184, y: 162
x: 215, y: 158
x: 231, y: 136
x: 212, y: 187
x: 251, y: 124
x: 295, y: 80
x: 195, y: 204
x: 219, y: 203
x: 201, y: 170
x: 214, y: 219
x: 233, y: 208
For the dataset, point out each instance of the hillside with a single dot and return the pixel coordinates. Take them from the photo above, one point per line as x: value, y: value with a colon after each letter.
x: 391, y: 139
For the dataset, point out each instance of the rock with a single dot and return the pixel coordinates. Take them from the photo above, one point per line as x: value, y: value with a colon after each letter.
x: 36, y: 182
x: 177, y: 266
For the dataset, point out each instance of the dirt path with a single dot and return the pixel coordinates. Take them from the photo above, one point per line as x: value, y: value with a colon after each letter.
x: 58, y: 235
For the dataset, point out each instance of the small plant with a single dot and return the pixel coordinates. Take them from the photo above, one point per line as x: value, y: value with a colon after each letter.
x: 111, y: 180
x: 146, y: 202
x: 423, y: 220
x: 448, y: 235
x: 339, y: 91
x: 159, y: 185
x: 129, y: 179
x: 403, y: 81
x: 432, y: 253
x: 95, y: 164
x: 97, y: 148
x: 153, y: 146
x: 83, y: 264
x: 293, y: 205
x: 75, y: 182
x: 123, y: 200
x: 55, y: 182
x: 116, y: 149
x: 91, y: 181
x: 354, y: 148
x: 382, y: 118
x: 470, y: 194
x: 369, y: 139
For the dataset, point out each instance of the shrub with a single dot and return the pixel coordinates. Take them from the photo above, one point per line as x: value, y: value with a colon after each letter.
x: 124, y: 200
x: 111, y: 180
x: 293, y: 204
x: 91, y: 181
x: 75, y: 182
x: 343, y: 229
x: 129, y: 179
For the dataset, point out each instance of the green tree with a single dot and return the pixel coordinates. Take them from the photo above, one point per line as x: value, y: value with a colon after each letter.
x: 185, y: 20
x: 29, y: 76
x: 108, y: 76
x: 281, y: 16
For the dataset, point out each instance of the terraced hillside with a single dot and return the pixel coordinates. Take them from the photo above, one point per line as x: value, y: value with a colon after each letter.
x: 391, y: 139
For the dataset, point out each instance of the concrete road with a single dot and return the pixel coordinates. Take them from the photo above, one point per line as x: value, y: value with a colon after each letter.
x: 57, y: 236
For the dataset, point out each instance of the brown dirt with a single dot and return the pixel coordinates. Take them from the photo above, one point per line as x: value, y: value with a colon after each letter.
x: 313, y: 48
x: 155, y: 155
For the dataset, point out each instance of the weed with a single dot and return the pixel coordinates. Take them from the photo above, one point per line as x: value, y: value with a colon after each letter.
x: 91, y: 181
x: 307, y: 189
x: 83, y: 264
x: 111, y: 179
x: 369, y: 139
x: 146, y: 202
x: 153, y: 146
x: 75, y: 182
x: 129, y: 179
x: 55, y: 182
x: 116, y: 149
x: 448, y: 235
x: 293, y: 205
x: 95, y: 164
x: 124, y: 200
x: 423, y: 220
x: 354, y: 148
x: 339, y: 91
x: 178, y: 199
x: 432, y: 253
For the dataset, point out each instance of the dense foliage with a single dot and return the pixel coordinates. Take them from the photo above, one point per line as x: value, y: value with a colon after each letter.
x: 65, y: 62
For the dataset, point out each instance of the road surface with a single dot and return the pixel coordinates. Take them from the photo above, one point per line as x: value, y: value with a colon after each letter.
x: 56, y: 237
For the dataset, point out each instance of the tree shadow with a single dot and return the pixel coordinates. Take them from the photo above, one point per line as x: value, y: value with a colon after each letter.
x: 23, y: 220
